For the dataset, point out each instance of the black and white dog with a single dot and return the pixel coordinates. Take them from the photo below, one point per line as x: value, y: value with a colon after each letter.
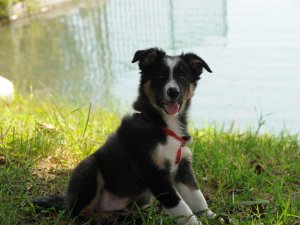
x: 147, y: 155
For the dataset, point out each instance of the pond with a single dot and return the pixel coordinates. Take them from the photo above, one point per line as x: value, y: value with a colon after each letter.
x: 84, y: 50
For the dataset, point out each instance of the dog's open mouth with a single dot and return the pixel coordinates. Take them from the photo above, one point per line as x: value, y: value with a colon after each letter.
x: 172, y: 108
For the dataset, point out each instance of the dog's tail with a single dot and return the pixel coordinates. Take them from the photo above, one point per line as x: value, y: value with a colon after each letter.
x: 51, y: 201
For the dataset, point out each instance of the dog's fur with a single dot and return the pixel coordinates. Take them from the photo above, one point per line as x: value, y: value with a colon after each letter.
x: 138, y: 160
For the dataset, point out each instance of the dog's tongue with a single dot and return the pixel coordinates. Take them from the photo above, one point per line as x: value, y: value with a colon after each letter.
x: 172, y: 107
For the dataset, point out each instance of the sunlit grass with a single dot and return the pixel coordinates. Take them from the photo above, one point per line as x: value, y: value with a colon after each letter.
x: 41, y: 141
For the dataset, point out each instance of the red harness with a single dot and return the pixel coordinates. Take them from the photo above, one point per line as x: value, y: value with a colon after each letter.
x: 172, y: 134
x: 181, y: 139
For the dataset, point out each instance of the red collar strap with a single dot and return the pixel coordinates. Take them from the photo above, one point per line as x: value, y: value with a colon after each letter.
x: 181, y: 139
x: 171, y: 134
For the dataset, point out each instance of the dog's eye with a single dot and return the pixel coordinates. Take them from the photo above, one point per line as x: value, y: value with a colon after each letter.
x: 183, y: 77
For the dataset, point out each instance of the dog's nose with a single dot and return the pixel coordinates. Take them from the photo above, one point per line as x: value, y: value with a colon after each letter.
x: 173, y: 93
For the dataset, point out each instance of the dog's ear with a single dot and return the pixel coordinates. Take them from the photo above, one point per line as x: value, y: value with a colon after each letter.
x: 195, y: 63
x: 148, y: 56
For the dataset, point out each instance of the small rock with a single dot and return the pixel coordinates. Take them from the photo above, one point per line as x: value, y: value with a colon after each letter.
x: 6, y: 90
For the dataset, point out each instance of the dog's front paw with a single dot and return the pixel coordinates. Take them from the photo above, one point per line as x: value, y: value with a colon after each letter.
x: 207, y: 213
x: 192, y: 220
x: 212, y: 216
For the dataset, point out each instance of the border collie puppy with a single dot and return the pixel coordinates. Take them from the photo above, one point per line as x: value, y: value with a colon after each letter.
x: 147, y: 155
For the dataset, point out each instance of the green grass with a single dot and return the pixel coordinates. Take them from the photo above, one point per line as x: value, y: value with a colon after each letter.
x: 41, y: 141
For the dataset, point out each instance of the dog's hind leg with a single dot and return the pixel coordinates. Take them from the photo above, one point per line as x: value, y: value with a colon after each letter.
x: 187, y: 187
x: 142, y: 200
x: 84, y: 188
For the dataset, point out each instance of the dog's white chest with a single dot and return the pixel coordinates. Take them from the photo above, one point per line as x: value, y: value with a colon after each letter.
x: 170, y: 149
x: 168, y: 152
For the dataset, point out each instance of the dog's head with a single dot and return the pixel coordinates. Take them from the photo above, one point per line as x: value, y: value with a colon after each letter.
x: 169, y: 81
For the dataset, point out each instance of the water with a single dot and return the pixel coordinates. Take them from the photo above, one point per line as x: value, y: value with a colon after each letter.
x: 253, y: 48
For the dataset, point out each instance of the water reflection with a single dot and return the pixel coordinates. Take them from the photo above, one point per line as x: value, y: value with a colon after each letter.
x: 87, y: 51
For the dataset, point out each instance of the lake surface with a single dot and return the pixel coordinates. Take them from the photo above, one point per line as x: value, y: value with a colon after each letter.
x: 85, y: 50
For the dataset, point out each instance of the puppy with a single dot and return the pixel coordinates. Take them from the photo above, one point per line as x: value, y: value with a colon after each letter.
x: 147, y: 155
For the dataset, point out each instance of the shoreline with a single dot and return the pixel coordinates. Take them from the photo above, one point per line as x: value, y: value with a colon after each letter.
x: 24, y: 11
